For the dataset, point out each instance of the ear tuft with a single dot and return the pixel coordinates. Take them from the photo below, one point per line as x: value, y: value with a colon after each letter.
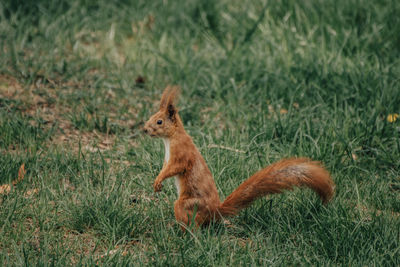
x: 168, y: 97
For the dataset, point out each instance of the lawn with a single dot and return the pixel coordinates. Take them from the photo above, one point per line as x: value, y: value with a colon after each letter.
x: 260, y: 81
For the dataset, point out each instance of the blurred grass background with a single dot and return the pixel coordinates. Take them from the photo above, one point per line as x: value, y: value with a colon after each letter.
x: 269, y: 79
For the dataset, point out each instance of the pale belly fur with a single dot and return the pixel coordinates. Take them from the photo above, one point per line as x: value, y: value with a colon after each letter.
x: 166, y: 159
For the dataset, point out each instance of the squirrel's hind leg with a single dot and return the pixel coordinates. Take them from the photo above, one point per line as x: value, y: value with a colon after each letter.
x: 188, y: 211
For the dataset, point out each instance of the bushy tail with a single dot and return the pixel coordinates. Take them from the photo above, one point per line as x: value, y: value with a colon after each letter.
x: 277, y: 177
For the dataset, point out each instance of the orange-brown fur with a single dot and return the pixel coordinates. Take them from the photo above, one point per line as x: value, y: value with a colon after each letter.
x: 198, y: 195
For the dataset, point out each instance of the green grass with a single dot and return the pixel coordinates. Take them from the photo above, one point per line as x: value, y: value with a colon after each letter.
x: 71, y: 108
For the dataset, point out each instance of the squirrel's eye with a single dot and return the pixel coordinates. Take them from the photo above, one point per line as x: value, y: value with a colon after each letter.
x: 159, y: 122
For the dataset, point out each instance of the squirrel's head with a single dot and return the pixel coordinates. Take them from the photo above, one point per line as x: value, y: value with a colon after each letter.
x: 166, y: 121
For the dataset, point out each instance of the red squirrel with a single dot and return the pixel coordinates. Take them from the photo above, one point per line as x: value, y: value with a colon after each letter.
x: 198, y: 195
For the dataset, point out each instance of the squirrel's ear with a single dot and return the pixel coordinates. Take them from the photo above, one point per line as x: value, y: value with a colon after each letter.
x: 164, y: 98
x: 168, y: 97
x: 171, y: 111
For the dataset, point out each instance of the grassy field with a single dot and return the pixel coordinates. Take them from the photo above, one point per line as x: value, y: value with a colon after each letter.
x: 261, y: 80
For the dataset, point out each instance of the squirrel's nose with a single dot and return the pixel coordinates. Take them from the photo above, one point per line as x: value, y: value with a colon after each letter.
x: 145, y: 131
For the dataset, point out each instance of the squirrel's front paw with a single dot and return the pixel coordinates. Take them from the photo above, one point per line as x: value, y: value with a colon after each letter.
x: 157, y: 186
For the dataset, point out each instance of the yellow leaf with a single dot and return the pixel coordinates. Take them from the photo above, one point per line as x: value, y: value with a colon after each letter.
x: 392, y: 117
